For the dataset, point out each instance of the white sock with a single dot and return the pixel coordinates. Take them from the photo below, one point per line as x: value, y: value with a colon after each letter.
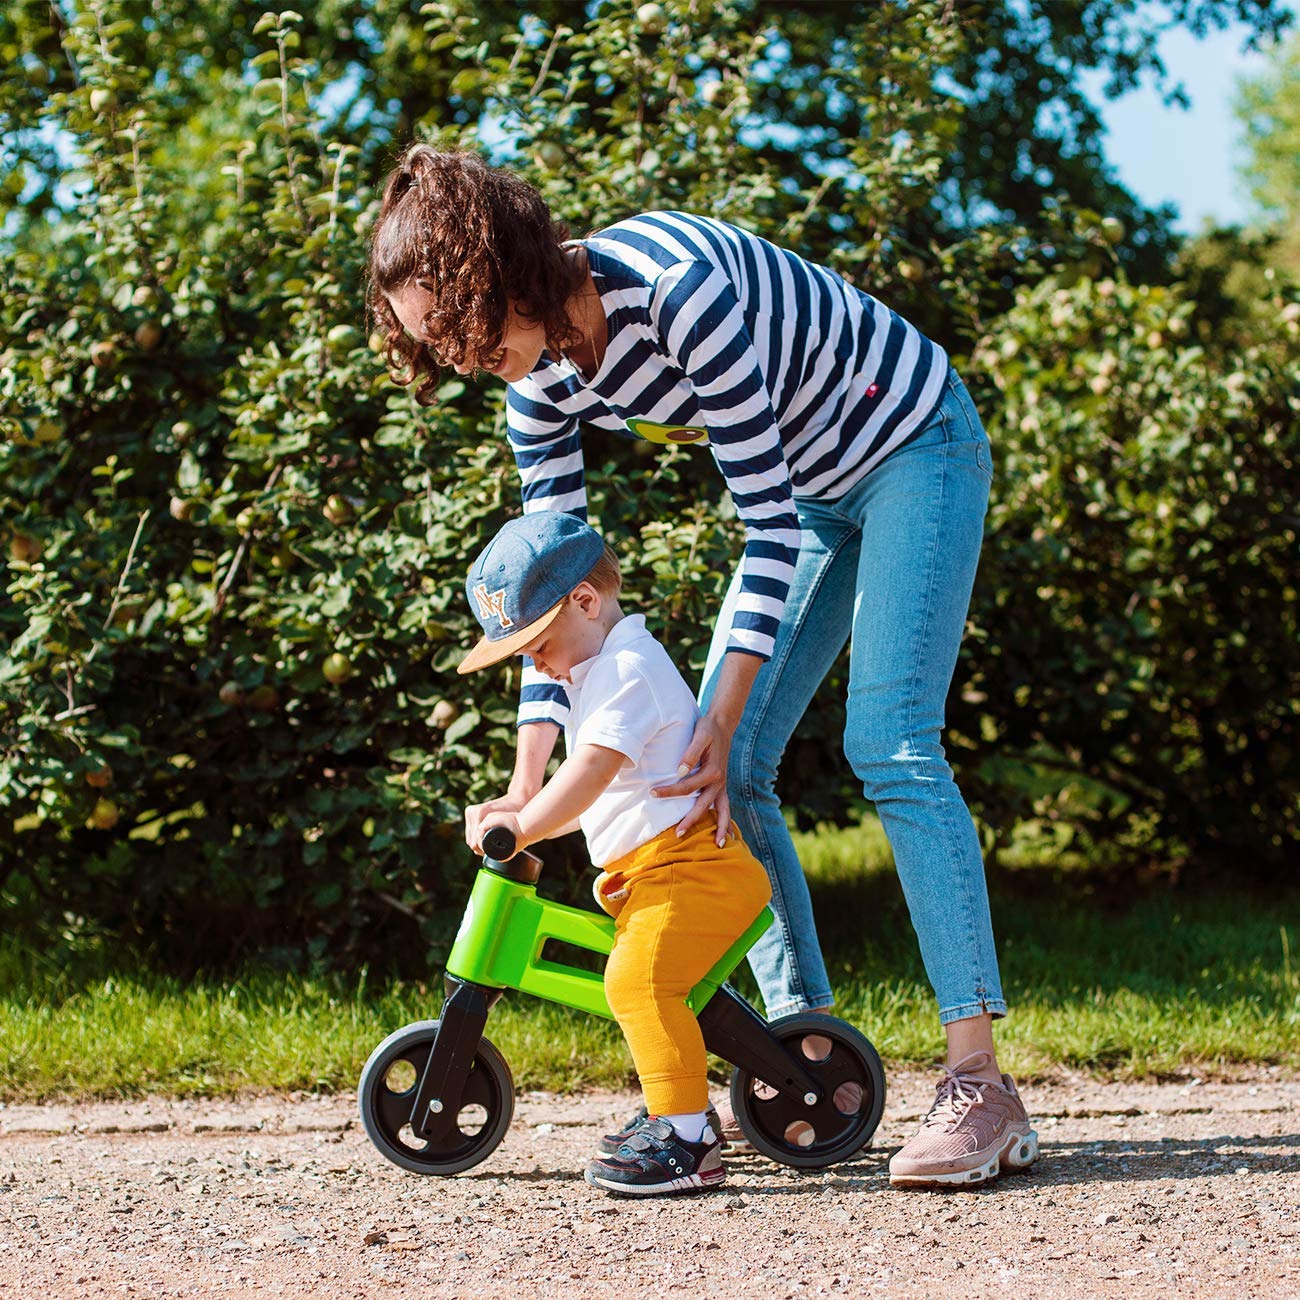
x: 690, y: 1128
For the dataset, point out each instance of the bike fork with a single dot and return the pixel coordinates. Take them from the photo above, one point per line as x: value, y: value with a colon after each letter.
x: 460, y: 1027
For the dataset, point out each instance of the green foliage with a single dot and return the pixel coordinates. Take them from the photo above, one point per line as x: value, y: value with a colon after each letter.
x: 229, y: 720
x: 227, y: 493
x: 1135, y: 623
x: 1268, y: 107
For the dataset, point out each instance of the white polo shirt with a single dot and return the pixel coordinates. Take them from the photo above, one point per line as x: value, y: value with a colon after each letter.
x: 631, y: 698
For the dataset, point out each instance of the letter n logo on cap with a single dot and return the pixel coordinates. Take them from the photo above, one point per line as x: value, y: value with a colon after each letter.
x: 490, y: 603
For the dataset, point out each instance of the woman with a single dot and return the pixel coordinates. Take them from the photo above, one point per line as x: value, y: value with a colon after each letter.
x: 860, y: 470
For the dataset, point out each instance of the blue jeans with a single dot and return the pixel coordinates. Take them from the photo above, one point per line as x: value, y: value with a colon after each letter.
x: 891, y: 564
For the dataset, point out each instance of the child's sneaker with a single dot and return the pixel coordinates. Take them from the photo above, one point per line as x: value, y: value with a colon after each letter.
x: 656, y: 1161
x: 610, y: 1143
x: 975, y: 1131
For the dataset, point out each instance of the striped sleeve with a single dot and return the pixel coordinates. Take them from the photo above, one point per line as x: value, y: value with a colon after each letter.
x: 548, y: 453
x: 699, y: 318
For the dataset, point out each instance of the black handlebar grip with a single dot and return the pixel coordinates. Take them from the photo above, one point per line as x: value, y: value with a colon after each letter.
x: 499, y: 843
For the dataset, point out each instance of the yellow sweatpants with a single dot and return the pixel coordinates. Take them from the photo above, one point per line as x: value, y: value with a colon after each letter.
x: 678, y: 905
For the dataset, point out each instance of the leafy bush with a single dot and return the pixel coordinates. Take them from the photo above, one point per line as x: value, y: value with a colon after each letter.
x: 229, y: 720
x: 1136, y: 618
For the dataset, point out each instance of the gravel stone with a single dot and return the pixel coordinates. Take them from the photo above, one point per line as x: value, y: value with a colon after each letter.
x: 283, y: 1196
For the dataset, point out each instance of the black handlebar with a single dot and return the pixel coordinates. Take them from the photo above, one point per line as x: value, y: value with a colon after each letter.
x: 499, y: 843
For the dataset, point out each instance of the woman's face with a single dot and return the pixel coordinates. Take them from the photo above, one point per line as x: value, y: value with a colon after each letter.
x: 521, y: 346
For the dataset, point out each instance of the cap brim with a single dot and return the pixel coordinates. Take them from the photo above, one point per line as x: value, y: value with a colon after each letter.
x: 492, y: 652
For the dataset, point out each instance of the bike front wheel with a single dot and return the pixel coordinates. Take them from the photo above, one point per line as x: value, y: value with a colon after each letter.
x: 386, y: 1094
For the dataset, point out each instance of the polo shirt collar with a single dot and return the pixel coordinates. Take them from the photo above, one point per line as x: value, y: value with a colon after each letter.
x: 630, y: 628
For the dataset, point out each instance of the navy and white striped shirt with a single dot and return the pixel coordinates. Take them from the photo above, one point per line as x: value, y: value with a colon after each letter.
x: 799, y: 384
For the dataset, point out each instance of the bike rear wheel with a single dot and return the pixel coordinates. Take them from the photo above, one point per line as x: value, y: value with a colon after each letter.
x: 852, y: 1083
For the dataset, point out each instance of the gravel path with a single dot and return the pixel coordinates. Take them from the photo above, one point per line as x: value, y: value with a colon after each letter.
x: 1186, y: 1188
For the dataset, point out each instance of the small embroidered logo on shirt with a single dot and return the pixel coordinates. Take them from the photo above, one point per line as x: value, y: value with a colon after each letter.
x: 490, y: 603
x: 872, y: 389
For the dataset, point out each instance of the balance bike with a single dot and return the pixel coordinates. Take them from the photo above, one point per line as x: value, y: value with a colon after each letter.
x: 437, y: 1097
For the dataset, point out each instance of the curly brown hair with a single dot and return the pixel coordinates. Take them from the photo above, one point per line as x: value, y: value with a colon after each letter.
x: 477, y: 238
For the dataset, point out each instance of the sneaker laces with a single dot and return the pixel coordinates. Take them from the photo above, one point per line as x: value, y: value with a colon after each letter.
x: 953, y: 1101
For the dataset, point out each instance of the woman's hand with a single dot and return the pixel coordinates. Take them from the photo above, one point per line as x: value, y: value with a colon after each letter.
x: 706, y: 756
x: 479, y: 816
x: 703, y: 772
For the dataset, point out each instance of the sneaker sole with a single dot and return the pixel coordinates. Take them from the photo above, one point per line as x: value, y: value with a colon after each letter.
x: 674, y: 1187
x: 1019, y: 1151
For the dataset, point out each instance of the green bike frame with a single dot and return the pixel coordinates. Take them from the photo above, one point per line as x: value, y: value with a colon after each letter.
x: 506, y: 926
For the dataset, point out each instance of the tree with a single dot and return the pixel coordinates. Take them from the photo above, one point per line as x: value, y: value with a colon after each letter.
x: 229, y: 720
x: 1136, y: 638
x: 1026, y: 140
x: 1268, y: 107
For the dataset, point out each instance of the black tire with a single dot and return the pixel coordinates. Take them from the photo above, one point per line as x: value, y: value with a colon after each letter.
x: 841, y: 1124
x: 386, y: 1094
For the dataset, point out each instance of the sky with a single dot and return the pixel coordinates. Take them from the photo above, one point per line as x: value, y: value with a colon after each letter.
x: 1185, y: 156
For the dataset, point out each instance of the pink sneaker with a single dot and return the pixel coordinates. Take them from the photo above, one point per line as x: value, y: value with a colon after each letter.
x: 975, y: 1131
x: 734, y: 1142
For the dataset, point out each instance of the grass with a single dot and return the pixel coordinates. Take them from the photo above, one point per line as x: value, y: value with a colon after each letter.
x: 1128, y: 981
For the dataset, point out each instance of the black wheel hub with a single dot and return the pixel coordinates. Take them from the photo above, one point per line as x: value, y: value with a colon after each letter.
x: 847, y: 1094
x: 387, y: 1094
x: 479, y: 1103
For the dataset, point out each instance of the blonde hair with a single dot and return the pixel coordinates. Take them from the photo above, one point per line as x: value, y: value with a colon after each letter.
x: 606, y: 576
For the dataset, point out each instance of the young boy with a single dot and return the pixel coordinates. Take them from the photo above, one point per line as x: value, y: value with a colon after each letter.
x: 547, y: 587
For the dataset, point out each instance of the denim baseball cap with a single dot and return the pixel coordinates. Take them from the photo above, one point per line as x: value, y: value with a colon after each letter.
x: 519, y: 582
